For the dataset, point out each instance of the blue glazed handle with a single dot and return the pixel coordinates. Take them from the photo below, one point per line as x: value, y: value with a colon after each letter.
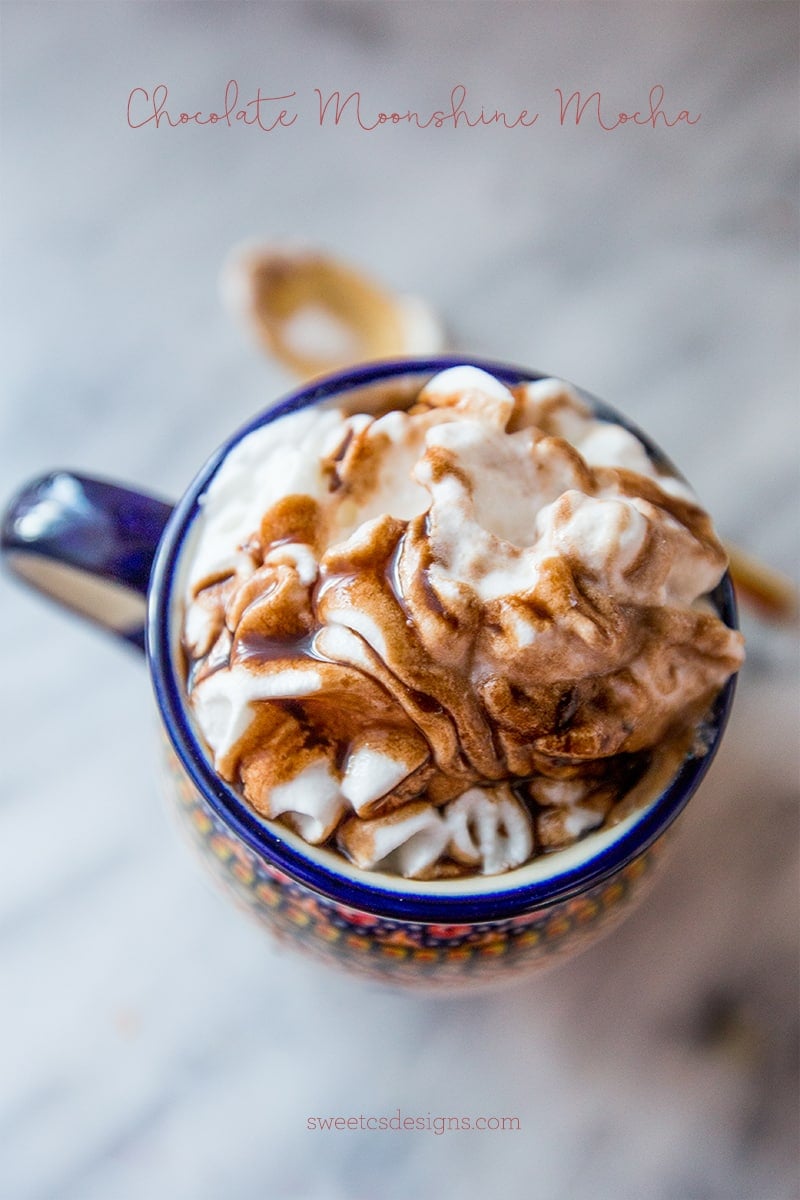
x: 87, y: 544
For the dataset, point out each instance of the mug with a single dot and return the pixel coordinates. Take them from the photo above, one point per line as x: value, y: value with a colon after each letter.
x: 114, y: 556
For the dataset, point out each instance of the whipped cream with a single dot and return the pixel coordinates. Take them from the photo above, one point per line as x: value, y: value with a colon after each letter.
x: 450, y: 637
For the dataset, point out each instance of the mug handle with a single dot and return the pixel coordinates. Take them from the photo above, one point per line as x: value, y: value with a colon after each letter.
x: 89, y: 545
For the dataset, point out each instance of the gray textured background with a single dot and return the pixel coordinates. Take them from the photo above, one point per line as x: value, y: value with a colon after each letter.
x: 153, y: 1044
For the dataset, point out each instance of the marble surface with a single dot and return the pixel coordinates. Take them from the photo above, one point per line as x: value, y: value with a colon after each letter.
x: 152, y: 1042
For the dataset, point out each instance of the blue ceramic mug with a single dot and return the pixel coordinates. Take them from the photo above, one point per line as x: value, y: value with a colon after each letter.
x: 115, y: 556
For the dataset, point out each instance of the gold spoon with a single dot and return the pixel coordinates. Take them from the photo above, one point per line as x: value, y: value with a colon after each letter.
x: 767, y: 592
x: 315, y: 314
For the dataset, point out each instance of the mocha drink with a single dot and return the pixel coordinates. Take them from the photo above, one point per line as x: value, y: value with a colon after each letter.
x: 455, y: 636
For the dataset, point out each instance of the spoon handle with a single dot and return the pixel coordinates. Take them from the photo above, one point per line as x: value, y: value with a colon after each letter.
x: 772, y: 595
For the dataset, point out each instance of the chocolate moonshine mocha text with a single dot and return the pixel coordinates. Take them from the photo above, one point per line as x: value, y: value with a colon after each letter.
x: 269, y: 113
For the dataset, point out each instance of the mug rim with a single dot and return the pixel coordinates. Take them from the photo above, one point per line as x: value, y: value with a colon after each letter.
x: 356, y: 890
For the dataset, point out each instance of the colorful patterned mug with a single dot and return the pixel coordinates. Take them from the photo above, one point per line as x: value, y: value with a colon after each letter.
x: 102, y: 550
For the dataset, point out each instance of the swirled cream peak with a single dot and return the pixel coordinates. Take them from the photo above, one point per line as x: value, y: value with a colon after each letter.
x: 454, y: 635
